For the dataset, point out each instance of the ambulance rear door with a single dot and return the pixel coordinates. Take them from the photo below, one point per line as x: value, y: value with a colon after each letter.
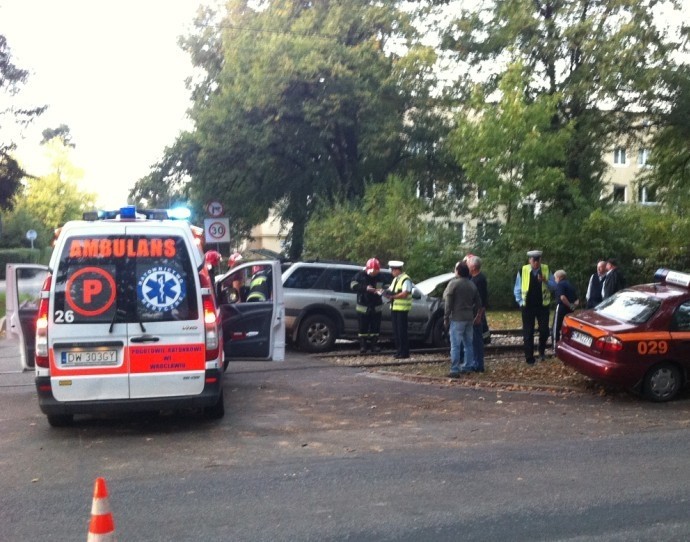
x: 22, y: 294
x: 87, y: 356
x: 252, y: 329
x: 164, y: 321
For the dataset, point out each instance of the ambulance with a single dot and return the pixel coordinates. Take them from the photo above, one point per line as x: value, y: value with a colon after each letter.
x: 127, y: 320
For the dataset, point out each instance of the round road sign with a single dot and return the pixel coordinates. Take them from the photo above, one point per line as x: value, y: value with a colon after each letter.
x: 217, y: 230
x: 214, y: 208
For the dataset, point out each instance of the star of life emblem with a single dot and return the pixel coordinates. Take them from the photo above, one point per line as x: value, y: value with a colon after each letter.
x: 161, y: 289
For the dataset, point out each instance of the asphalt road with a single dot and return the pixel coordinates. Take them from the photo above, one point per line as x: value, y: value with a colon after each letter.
x: 308, y: 451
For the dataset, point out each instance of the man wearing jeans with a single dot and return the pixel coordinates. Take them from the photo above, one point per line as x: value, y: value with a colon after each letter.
x: 463, y: 309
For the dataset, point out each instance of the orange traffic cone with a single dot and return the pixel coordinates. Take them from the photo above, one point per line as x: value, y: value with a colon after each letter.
x: 102, y: 527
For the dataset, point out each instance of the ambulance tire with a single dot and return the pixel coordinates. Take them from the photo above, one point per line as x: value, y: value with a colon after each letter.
x: 217, y: 411
x: 60, y: 420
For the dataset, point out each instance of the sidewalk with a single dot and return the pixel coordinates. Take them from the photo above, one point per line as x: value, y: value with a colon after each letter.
x: 11, y: 373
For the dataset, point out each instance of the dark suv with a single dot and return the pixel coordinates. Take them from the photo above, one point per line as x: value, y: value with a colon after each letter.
x: 320, y: 307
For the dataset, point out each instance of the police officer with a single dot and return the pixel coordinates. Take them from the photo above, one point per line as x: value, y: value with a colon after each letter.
x: 400, y: 295
x: 369, y: 305
x: 260, y: 284
x: 532, y: 291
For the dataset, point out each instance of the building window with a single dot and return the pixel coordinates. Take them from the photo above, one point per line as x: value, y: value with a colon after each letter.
x: 642, y: 157
x: 426, y: 189
x: 619, y: 193
x: 646, y: 195
x: 619, y: 156
x: 487, y: 232
x: 460, y: 228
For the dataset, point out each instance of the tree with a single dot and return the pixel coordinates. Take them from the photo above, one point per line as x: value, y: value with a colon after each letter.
x: 47, y: 202
x: 388, y: 223
x: 509, y: 149
x: 603, y: 58
x: 308, y: 104
x: 669, y: 176
x: 11, y: 77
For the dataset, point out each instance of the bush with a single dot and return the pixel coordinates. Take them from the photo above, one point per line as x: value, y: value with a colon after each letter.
x: 21, y: 255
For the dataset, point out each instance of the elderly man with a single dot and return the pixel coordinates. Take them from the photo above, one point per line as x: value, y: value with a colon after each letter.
x: 474, y: 263
x: 532, y: 291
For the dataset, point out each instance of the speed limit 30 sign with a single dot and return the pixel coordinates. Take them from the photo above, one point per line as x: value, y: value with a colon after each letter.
x: 217, y: 230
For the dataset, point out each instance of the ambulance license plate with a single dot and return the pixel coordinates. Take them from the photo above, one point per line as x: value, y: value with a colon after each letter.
x: 85, y: 358
x: 581, y: 338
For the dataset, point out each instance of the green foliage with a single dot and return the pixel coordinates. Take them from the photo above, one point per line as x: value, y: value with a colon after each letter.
x: 21, y: 255
x: 387, y: 224
x: 302, y: 102
x: 589, y: 53
x: 11, y: 77
x: 46, y: 203
x: 511, y: 151
x: 641, y: 238
x: 669, y: 178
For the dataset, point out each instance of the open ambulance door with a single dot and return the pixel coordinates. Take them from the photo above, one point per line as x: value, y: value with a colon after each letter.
x: 23, y: 291
x: 252, y: 311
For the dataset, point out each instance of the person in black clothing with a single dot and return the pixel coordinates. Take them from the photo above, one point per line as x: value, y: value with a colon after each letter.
x: 260, y: 284
x: 596, y: 282
x: 614, y: 279
x: 533, y: 288
x: 566, y: 302
x: 369, y: 305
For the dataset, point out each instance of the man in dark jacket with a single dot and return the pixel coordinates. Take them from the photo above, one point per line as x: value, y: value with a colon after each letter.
x: 614, y: 279
x: 463, y: 311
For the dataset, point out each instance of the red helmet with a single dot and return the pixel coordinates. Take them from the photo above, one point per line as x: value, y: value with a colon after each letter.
x: 234, y: 259
x: 213, y: 258
x: 372, y: 266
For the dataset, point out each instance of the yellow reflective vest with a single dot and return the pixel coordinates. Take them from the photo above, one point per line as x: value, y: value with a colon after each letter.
x: 527, y: 275
x: 397, y: 287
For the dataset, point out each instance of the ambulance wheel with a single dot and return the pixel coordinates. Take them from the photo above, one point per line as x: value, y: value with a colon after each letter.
x: 317, y: 333
x: 60, y: 420
x: 662, y: 383
x: 217, y: 411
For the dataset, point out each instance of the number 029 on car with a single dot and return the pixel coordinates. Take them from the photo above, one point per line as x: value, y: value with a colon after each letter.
x: 581, y: 338
x: 80, y: 358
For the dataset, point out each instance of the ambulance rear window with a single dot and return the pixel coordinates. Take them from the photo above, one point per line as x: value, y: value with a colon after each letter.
x: 127, y: 278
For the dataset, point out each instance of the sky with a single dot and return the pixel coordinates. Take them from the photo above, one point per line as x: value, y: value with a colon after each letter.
x: 112, y: 72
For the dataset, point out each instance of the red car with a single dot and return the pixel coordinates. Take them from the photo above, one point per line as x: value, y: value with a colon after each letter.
x: 638, y: 338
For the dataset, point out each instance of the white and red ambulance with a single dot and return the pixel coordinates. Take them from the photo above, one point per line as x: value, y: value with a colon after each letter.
x: 127, y: 320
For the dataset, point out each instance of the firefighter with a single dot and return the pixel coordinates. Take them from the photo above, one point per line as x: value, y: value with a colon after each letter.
x: 213, y: 260
x: 369, y: 305
x: 260, y: 284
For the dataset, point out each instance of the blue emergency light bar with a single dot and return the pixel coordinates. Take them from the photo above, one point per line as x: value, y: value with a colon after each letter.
x: 130, y: 212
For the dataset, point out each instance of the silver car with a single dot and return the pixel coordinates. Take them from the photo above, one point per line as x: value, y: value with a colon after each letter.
x: 320, y: 307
